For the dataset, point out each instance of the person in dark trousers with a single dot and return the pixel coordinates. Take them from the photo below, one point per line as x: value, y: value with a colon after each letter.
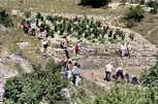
x: 45, y: 43
x: 66, y: 53
x: 66, y: 68
x: 128, y: 77
x: 108, y: 72
x: 64, y: 45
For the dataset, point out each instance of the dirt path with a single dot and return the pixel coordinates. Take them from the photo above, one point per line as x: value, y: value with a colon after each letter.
x: 150, y: 31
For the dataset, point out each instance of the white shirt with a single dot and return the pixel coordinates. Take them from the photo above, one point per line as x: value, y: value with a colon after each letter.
x: 45, y: 42
x: 109, y: 67
x: 123, y: 47
x: 33, y: 25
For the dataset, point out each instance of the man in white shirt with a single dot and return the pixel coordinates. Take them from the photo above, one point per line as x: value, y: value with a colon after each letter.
x: 108, y: 72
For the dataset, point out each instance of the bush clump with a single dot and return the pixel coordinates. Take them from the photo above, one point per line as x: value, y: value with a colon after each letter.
x: 33, y: 88
x: 153, y: 5
x: 135, y: 13
x: 95, y: 3
x: 151, y: 77
x: 129, y: 95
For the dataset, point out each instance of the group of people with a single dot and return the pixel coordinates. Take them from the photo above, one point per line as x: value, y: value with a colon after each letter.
x: 65, y: 44
x: 35, y: 27
x: 71, y: 68
x: 119, y: 74
x: 71, y: 71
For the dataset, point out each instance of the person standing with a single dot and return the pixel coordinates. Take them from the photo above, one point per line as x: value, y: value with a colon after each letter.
x: 76, y: 74
x: 64, y: 45
x: 77, y: 47
x: 70, y: 67
x: 108, y: 72
x: 44, y: 45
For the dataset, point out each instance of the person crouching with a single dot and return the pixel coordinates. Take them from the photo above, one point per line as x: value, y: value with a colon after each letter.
x: 119, y: 73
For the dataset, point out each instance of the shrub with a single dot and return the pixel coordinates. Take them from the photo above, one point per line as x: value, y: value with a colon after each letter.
x: 129, y: 95
x: 32, y: 88
x: 135, y: 13
x: 151, y: 76
x: 94, y: 3
x: 5, y: 19
x: 154, y: 5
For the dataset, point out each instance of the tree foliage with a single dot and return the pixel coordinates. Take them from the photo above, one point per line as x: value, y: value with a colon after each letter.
x: 151, y: 76
x: 129, y: 95
x: 154, y: 5
x: 32, y: 88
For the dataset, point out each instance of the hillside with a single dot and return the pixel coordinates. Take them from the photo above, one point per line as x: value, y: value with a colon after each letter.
x: 101, y: 30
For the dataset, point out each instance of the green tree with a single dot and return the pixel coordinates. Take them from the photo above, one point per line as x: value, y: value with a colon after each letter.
x: 151, y: 76
x: 32, y: 88
x: 129, y: 95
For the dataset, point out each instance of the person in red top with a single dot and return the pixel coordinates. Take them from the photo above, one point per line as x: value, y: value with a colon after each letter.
x: 77, y: 47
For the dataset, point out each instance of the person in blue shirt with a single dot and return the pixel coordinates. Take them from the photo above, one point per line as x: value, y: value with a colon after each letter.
x: 76, y: 74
